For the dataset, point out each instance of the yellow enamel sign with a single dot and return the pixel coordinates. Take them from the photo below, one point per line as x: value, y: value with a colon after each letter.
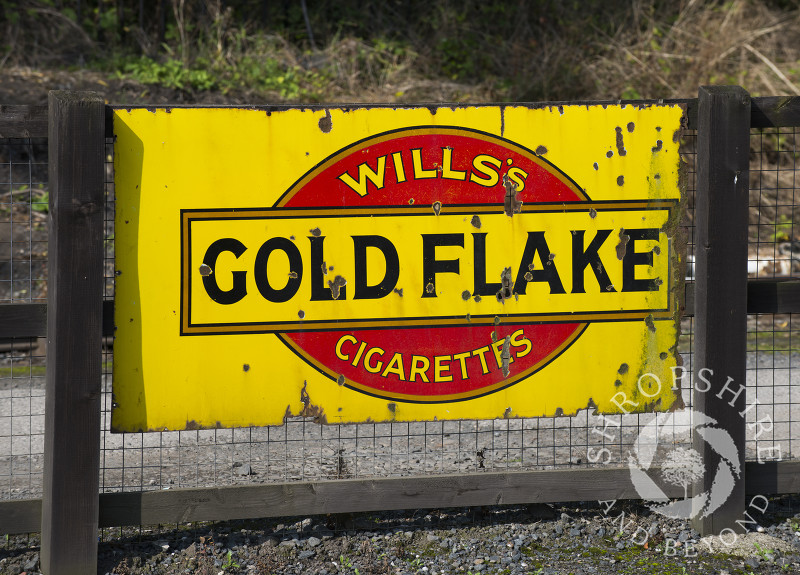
x: 375, y: 264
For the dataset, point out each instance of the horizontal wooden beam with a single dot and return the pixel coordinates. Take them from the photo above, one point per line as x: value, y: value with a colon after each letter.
x: 30, y: 319
x: 23, y: 121
x: 763, y: 296
x: 383, y: 494
x: 775, y: 111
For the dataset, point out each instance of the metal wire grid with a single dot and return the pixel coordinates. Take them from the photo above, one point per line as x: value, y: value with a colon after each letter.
x: 773, y: 377
x: 23, y: 266
x: 303, y: 450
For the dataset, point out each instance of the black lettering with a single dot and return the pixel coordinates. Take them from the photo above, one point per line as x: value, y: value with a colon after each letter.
x: 481, y: 287
x: 239, y: 289
x: 536, y: 244
x: 589, y: 257
x: 431, y: 266
x: 631, y: 259
x: 386, y: 285
x: 295, y: 267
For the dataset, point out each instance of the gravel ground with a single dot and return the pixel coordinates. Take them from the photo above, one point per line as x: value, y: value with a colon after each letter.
x: 597, y: 537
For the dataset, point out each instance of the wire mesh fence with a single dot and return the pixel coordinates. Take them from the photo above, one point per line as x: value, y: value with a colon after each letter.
x: 302, y: 450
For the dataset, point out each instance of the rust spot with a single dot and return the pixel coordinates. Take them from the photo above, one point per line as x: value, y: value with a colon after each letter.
x: 609, y: 154
x: 507, y: 284
x: 507, y: 413
x: 658, y: 146
x: 437, y: 207
x: 429, y: 288
x: 649, y: 323
x: 559, y: 412
x: 301, y: 314
x: 622, y: 246
x: 316, y: 232
x: 468, y: 318
x: 511, y: 205
x: 595, y: 166
x: 620, y: 144
x: 657, y: 176
x: 623, y: 369
x: 309, y: 409
x: 620, y: 180
x: 541, y: 150
x: 592, y: 213
x: 465, y: 295
x: 528, y: 277
x: 398, y: 291
x: 505, y: 356
x: 192, y: 426
x: 631, y: 126
x: 291, y: 238
x: 205, y: 270
x: 476, y: 221
x: 493, y: 335
x: 392, y: 407
x: 293, y: 274
x: 497, y: 320
x: 336, y: 285
x: 657, y: 250
x: 246, y: 367
x: 340, y: 379
x: 410, y: 201
x: 617, y: 383
x: 477, y: 299
x: 663, y: 355
x: 325, y: 123
x: 324, y: 268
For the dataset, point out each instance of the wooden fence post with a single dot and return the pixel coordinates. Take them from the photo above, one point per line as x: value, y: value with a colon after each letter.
x: 721, y: 221
x: 76, y: 141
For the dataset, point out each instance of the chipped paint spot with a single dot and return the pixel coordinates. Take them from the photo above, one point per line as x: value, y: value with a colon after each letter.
x: 622, y: 246
x: 663, y: 355
x: 507, y: 284
x: 340, y: 381
x: 609, y: 154
x: 410, y: 201
x: 465, y: 295
x: 316, y: 232
x: 592, y: 213
x: 293, y: 274
x: 301, y: 314
x: 658, y: 146
x: 398, y: 291
x: 620, y: 180
x: 511, y: 205
x: 476, y: 221
x: 541, y: 151
x: 657, y: 250
x: 246, y: 367
x: 617, y: 382
x: 325, y: 123
x: 437, y: 207
x: 507, y: 413
x: 477, y: 299
x: 429, y: 288
x: 631, y: 127
x: 623, y: 369
x: 205, y: 270
x: 595, y: 166
x: 336, y: 285
x: 650, y: 323
x: 392, y: 407
x: 505, y: 356
x: 324, y: 268
x: 620, y: 144
x: 528, y: 277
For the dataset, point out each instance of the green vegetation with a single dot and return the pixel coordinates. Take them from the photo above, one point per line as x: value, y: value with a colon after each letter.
x: 413, y: 50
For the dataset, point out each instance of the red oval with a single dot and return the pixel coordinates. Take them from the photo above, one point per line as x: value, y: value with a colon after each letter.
x: 443, y: 183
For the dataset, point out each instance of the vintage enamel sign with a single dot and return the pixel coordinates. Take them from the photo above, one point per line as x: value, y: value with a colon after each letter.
x: 393, y: 264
